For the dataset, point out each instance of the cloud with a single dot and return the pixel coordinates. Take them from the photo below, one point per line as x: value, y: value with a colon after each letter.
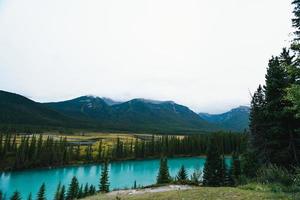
x: 204, y: 54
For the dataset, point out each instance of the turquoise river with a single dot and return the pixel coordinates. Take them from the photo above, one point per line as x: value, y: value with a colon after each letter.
x: 121, y: 174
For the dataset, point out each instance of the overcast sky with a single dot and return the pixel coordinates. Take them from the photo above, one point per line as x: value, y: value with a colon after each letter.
x: 204, y: 54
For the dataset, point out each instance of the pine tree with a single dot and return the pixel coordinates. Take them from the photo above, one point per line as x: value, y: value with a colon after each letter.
x: 213, y: 166
x: 104, y: 184
x: 236, y: 167
x: 163, y: 173
x: 16, y: 196
x: 80, y: 192
x: 196, y: 176
x: 86, y: 190
x: 182, y: 175
x: 41, y: 193
x: 223, y: 172
x: 57, y: 192
x: 134, y: 185
x: 62, y: 193
x: 29, y: 196
x: 296, y: 19
x: 92, y: 190
x: 280, y: 135
x: 258, y: 126
x: 73, y: 189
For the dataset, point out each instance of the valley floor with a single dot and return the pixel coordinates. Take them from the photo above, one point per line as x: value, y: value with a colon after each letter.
x: 173, y: 192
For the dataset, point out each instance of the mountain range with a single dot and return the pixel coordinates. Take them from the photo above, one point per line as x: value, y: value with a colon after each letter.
x: 236, y: 119
x: 104, y: 114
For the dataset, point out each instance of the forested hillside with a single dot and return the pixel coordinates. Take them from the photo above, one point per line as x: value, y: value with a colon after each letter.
x: 103, y: 114
x: 18, y: 112
x: 136, y: 115
x: 236, y: 119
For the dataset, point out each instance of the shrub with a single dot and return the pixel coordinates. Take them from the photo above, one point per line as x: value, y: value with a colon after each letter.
x: 275, y: 174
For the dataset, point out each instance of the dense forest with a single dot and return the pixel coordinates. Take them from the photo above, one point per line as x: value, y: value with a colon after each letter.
x: 29, y: 151
x: 272, y: 154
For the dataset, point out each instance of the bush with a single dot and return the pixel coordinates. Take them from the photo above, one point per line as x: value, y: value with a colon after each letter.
x: 274, y: 174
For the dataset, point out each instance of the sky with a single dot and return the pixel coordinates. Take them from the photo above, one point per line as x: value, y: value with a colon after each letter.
x: 207, y: 55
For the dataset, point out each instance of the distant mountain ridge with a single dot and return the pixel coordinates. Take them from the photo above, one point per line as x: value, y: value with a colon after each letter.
x: 135, y: 115
x: 236, y: 119
x: 18, y: 110
x: 92, y: 112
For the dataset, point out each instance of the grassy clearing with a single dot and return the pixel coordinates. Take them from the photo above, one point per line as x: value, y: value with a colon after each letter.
x: 108, y: 139
x: 207, y: 193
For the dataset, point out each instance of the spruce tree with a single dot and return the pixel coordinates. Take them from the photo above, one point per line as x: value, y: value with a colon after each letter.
x: 80, y: 192
x: 182, y: 175
x: 73, y: 189
x: 41, y: 193
x: 57, y: 192
x: 62, y: 193
x: 163, y: 173
x: 223, y: 172
x: 196, y: 176
x: 92, y: 190
x: 258, y: 126
x: 296, y: 19
x: 29, y: 196
x: 16, y: 196
x: 104, y: 183
x: 236, y: 167
x: 212, y: 173
x: 86, y: 190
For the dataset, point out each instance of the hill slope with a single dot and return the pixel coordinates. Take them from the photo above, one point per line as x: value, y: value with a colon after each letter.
x: 236, y: 119
x: 138, y: 115
x: 134, y: 115
x: 199, y: 193
x: 19, y: 110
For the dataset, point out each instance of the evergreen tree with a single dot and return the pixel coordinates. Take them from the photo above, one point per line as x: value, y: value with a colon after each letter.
x: 213, y: 166
x: 163, y: 173
x: 296, y: 19
x: 92, y: 190
x: 282, y: 138
x: 80, y: 192
x: 223, y: 172
x: 41, y: 193
x: 236, y: 167
x: 104, y: 184
x: 57, y: 192
x: 86, y: 190
x: 73, y: 189
x: 16, y: 196
x: 196, y: 176
x: 182, y: 175
x: 134, y: 185
x: 258, y: 126
x: 29, y: 196
x: 62, y: 193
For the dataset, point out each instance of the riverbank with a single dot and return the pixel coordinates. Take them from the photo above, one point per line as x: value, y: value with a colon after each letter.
x: 179, y: 192
x: 87, y: 163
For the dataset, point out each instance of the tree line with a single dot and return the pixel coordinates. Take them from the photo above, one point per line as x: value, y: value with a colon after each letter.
x: 29, y: 151
x: 215, y: 174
